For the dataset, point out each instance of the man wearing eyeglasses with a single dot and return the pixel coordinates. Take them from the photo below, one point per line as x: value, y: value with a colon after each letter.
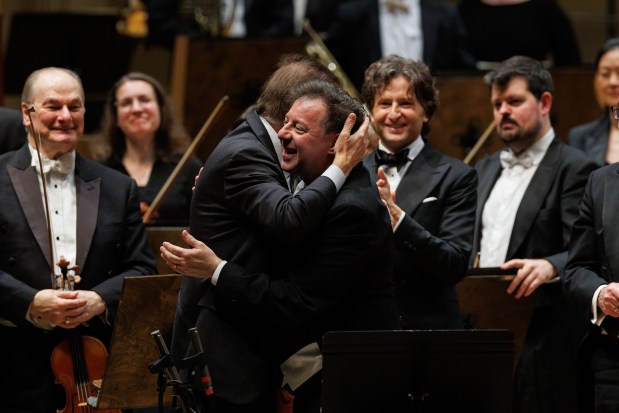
x: 528, y: 198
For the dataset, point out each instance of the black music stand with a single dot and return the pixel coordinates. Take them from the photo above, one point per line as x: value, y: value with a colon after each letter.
x: 427, y: 371
x: 146, y: 304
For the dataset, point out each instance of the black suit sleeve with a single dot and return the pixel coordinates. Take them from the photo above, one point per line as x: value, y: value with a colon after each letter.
x: 445, y: 254
x: 574, y: 181
x: 259, y: 194
x: 136, y: 256
x: 583, y: 273
x: 333, y: 260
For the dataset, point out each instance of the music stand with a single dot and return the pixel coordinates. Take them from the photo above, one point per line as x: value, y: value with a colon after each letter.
x: 485, y: 304
x: 147, y: 303
x: 427, y: 371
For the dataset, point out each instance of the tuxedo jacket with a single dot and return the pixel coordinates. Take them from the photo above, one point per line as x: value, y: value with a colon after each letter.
x: 111, y: 244
x: 433, y: 243
x: 594, y: 246
x: 339, y: 278
x: 548, y: 208
x: 353, y: 34
x: 242, y: 209
x: 592, y: 139
x: 546, y: 377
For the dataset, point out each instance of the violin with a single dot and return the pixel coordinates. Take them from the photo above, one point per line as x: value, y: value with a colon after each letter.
x: 144, y: 206
x: 78, y: 360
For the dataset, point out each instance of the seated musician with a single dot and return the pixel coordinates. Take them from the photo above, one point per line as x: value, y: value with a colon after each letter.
x: 527, y: 201
x: 95, y: 224
x: 145, y: 140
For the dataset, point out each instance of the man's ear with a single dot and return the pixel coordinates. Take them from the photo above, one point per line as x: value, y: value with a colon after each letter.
x: 24, y: 113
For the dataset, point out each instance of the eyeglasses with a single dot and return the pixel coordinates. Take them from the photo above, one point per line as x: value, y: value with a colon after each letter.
x: 615, y: 110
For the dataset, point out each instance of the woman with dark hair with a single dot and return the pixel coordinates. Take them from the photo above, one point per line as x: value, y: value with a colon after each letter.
x: 599, y: 139
x: 145, y: 141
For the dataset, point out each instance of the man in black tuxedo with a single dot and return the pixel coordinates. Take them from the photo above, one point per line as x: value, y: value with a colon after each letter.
x: 12, y: 131
x: 340, y: 276
x: 95, y: 223
x: 527, y: 202
x: 359, y: 32
x: 434, y: 209
x: 243, y: 208
x: 592, y: 282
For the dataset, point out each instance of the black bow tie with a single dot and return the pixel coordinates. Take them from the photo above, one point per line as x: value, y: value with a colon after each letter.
x: 392, y: 159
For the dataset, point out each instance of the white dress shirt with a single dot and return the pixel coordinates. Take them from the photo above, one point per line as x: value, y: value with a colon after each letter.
x: 502, y: 205
x: 61, y: 194
x: 400, y: 28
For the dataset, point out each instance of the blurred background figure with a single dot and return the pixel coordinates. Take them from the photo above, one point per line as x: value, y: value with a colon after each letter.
x: 360, y: 32
x: 12, y: 130
x: 599, y: 139
x: 144, y: 140
x: 496, y: 32
x: 217, y: 18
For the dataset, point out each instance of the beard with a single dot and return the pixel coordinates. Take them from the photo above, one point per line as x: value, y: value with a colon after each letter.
x: 518, y: 137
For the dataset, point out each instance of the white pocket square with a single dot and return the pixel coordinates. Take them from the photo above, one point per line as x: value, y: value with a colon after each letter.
x: 429, y: 199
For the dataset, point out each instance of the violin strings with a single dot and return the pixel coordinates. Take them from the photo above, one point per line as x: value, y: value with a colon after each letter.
x: 80, y: 372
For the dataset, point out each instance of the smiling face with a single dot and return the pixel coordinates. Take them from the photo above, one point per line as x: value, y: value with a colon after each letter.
x: 307, y: 152
x: 521, y: 119
x: 397, y: 115
x: 58, y: 116
x: 138, y: 111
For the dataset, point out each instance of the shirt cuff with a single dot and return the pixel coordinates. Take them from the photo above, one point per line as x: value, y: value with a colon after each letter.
x: 335, y: 174
x: 595, y: 318
x: 38, y: 322
x: 397, y: 224
x: 215, y: 276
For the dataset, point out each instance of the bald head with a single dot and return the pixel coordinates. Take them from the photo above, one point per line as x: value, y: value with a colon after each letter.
x: 57, y: 97
x: 48, y: 75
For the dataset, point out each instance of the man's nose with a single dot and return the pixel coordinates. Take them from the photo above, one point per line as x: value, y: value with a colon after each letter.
x: 65, y: 113
x: 284, y: 133
x: 394, y: 110
x: 503, y: 108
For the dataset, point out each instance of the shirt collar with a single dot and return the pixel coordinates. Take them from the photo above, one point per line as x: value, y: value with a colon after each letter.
x: 66, y: 162
x: 538, y: 150
x: 414, y: 148
x: 277, y: 144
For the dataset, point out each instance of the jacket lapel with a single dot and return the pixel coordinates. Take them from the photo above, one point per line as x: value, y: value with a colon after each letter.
x: 534, y: 197
x: 88, y: 190
x: 26, y: 185
x: 487, y: 179
x: 422, y: 176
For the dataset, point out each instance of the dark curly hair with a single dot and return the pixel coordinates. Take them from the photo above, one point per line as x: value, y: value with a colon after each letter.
x: 422, y: 85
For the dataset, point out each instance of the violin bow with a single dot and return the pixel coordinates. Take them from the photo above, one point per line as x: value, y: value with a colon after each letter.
x: 37, y: 143
x: 480, y: 142
x: 163, y: 192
